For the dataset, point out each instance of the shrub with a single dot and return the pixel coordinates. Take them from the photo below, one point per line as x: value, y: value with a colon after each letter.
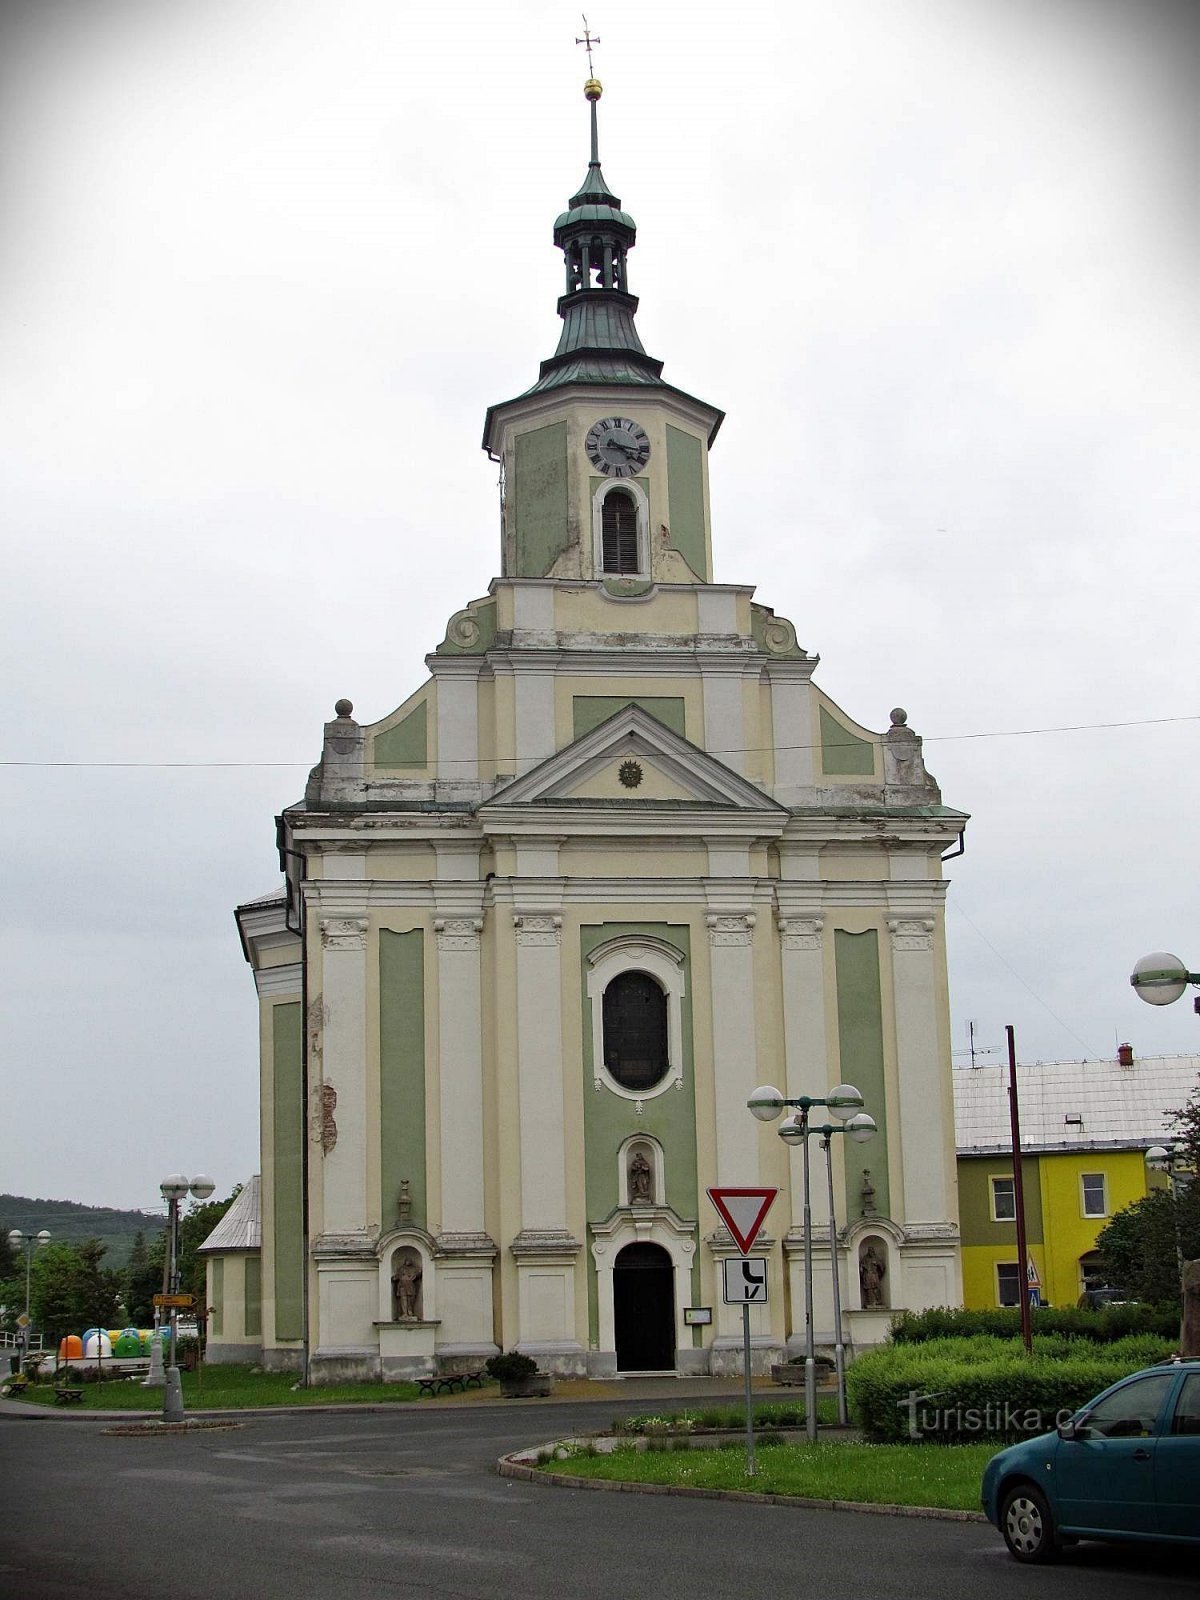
x: 1103, y: 1325
x: 511, y: 1366
x: 953, y: 1390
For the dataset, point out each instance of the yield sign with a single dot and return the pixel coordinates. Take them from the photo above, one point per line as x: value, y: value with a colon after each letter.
x: 743, y: 1212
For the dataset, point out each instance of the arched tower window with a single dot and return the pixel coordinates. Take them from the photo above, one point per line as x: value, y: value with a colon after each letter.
x: 619, y: 532
x: 635, y: 1031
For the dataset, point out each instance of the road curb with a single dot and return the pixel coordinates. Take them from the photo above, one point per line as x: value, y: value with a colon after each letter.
x: 518, y: 1465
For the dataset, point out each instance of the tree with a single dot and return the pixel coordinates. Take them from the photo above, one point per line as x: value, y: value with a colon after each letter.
x: 1187, y: 1131
x: 71, y: 1290
x: 143, y: 1279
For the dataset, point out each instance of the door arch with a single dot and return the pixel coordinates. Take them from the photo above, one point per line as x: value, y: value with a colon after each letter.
x: 644, y: 1309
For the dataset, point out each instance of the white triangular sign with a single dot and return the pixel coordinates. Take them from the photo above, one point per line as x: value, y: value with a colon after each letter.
x: 743, y: 1212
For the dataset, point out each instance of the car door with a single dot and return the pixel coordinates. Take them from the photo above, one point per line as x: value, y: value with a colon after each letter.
x: 1177, y: 1464
x: 1104, y: 1476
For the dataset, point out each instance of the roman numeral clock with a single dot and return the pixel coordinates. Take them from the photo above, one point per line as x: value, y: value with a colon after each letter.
x: 617, y: 447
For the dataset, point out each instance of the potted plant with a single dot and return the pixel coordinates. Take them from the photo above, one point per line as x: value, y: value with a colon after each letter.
x: 518, y: 1375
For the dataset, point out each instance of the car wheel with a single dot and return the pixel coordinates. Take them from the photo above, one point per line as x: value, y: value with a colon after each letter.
x: 1027, y: 1525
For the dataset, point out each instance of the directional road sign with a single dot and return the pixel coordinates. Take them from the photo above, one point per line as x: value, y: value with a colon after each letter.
x: 181, y: 1302
x: 743, y: 1212
x: 745, y: 1280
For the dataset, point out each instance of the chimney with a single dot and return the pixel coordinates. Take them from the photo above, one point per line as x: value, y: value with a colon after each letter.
x: 1125, y: 1055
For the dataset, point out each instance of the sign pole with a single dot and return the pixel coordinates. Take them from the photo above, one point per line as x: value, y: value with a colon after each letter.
x: 751, y: 1469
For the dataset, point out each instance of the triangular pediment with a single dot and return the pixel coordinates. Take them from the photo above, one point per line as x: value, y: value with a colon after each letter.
x: 634, y: 759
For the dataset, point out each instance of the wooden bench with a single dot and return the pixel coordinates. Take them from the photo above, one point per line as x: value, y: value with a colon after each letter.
x: 66, y: 1394
x: 15, y: 1386
x: 450, y: 1382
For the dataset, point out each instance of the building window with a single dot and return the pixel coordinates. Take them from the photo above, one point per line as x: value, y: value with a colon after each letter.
x: 1008, y: 1283
x: 619, y: 533
x: 1095, y: 1201
x: 636, y: 985
x: 635, y: 1031
x: 1004, y: 1200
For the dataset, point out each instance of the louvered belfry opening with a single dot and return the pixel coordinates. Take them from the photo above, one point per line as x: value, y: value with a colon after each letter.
x: 635, y: 1031
x: 618, y: 526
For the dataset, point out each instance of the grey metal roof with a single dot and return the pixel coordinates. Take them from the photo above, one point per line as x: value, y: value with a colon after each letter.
x: 1072, y: 1105
x: 264, y: 899
x: 241, y: 1226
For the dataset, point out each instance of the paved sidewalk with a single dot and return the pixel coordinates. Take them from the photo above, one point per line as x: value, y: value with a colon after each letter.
x: 625, y: 1394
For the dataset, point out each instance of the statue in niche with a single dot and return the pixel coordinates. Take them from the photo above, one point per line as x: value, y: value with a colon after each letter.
x: 868, y: 1194
x: 406, y: 1286
x: 641, y: 1180
x: 872, y: 1269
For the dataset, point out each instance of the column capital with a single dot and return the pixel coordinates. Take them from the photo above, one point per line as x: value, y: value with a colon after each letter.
x: 458, y: 933
x: 800, y: 933
x: 537, y: 930
x: 911, y: 933
x: 730, y: 930
x: 344, y: 933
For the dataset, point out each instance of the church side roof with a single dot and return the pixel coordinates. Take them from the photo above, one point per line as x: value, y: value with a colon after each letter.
x: 241, y: 1226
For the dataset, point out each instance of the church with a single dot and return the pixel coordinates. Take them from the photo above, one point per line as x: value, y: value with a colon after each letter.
x: 545, y: 927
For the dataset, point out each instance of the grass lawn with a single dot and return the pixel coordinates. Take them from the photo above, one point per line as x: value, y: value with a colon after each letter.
x: 225, y: 1388
x: 881, y: 1474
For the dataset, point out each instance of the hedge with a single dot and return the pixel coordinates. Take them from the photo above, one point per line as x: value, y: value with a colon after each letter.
x: 1101, y: 1326
x: 954, y: 1390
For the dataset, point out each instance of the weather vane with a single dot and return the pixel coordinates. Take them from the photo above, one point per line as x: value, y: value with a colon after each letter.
x: 588, y: 40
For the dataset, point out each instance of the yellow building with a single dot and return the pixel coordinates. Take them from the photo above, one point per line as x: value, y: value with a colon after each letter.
x: 1085, y: 1128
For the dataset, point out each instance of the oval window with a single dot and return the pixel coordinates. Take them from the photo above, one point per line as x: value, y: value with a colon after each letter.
x: 635, y: 1031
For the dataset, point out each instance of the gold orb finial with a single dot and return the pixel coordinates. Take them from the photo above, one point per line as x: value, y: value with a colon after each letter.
x: 593, y: 89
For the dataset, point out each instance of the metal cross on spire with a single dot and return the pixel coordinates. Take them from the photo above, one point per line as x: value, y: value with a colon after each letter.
x: 588, y: 40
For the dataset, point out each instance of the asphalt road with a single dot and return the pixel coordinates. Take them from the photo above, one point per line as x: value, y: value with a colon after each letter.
x: 407, y: 1505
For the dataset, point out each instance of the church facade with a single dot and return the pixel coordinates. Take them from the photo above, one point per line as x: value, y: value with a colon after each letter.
x: 617, y: 861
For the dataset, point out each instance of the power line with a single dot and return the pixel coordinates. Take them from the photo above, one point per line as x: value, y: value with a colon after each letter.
x: 731, y: 750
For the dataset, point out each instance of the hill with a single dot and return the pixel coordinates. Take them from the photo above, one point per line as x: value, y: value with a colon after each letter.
x: 70, y: 1223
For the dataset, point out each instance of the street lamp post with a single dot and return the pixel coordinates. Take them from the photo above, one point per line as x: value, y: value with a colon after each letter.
x: 766, y: 1103
x: 1161, y: 978
x: 19, y: 1242
x: 174, y: 1189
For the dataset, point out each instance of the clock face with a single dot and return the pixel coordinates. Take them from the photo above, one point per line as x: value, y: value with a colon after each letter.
x: 617, y: 447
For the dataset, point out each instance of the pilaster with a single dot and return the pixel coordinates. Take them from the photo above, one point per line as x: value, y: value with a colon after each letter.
x: 926, y: 1183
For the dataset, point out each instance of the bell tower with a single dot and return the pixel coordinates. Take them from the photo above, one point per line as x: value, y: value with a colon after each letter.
x: 604, y: 466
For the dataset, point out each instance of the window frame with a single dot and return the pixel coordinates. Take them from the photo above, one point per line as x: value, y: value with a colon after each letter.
x: 642, y: 506
x: 1014, y: 1267
x: 1083, y: 1205
x: 666, y: 965
x: 993, y: 1180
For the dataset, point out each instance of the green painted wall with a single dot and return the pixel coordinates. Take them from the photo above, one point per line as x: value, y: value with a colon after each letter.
x: 685, y: 491
x: 253, y: 1296
x: 216, y: 1312
x: 538, y: 489
x: 402, y: 1072
x: 844, y: 754
x: 860, y: 1061
x: 609, y: 1119
x: 407, y: 744
x: 289, y: 1135
x: 975, y: 1200
x: 590, y: 710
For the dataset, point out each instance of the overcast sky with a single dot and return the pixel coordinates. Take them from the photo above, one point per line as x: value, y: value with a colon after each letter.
x: 263, y: 266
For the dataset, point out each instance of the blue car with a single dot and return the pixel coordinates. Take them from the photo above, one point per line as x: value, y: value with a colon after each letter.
x: 1126, y: 1466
